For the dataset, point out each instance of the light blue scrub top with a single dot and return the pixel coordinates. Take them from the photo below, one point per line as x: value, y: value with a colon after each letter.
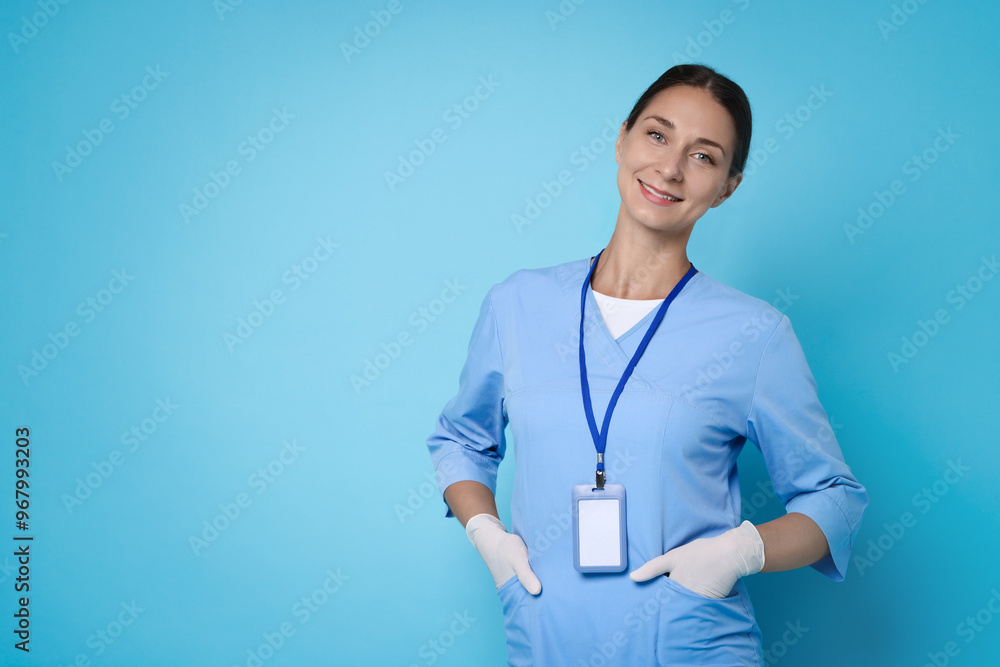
x: 722, y: 368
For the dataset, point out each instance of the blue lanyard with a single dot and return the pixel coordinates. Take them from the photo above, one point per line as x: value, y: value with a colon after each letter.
x: 601, y: 439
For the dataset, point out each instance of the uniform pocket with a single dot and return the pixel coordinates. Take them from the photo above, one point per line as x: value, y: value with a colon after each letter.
x: 515, y: 621
x: 695, y: 629
x: 684, y: 589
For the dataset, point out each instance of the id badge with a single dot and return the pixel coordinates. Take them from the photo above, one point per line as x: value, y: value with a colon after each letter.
x: 599, y: 540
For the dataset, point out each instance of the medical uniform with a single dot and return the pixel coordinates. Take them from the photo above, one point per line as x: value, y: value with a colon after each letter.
x: 722, y: 368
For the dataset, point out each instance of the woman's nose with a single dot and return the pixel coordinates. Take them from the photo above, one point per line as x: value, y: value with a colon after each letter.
x: 671, y: 165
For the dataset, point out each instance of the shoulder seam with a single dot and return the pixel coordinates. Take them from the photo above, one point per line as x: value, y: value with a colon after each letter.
x: 496, y: 327
x: 756, y: 377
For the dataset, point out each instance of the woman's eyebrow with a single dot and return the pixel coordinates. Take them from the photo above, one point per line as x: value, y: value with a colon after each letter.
x: 700, y: 140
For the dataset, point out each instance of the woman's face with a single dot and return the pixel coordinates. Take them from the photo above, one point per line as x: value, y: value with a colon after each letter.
x: 681, y: 147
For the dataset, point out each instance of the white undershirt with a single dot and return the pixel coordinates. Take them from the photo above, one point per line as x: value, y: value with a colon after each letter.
x: 620, y: 315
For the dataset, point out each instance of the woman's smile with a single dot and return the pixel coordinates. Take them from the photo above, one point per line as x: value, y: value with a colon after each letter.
x: 658, y: 197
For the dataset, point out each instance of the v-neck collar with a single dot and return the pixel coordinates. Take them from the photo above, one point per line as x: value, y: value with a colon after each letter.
x: 610, y: 350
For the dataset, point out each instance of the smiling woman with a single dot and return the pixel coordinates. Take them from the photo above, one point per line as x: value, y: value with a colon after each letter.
x: 671, y: 153
x: 565, y: 597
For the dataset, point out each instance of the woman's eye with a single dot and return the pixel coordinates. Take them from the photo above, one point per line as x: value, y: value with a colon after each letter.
x: 708, y: 158
x: 656, y: 135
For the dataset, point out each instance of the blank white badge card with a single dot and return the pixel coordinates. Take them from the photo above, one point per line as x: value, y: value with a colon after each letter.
x: 599, y: 528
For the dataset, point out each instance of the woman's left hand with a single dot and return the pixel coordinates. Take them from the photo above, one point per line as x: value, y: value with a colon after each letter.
x: 710, y: 566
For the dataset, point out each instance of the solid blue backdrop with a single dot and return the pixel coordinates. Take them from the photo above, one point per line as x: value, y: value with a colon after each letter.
x: 245, y: 243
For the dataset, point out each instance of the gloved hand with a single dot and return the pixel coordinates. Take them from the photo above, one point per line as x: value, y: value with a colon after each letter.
x: 505, y: 554
x: 710, y: 566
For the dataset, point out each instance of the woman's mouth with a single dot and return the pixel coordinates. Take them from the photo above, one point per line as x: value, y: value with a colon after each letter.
x: 661, y: 197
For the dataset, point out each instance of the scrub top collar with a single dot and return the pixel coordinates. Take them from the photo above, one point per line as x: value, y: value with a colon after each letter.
x: 599, y: 340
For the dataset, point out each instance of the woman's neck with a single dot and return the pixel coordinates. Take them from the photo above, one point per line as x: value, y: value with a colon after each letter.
x: 640, y: 268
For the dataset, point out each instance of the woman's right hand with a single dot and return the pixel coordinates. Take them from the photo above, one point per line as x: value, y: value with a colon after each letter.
x: 505, y: 553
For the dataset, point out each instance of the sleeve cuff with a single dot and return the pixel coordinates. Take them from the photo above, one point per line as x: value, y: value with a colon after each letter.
x: 465, y: 465
x: 824, y: 508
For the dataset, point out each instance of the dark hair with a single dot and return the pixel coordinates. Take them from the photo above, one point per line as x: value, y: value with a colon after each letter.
x: 725, y: 92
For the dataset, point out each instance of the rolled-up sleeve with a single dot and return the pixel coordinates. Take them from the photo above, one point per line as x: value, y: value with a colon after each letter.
x: 803, y: 458
x: 468, y: 441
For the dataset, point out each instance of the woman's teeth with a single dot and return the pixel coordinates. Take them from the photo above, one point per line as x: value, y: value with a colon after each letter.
x: 653, y: 192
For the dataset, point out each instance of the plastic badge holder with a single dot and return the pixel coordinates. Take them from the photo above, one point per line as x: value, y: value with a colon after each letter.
x: 599, y: 539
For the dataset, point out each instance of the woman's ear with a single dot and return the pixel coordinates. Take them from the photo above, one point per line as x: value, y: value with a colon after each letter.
x: 731, y: 184
x: 618, y: 144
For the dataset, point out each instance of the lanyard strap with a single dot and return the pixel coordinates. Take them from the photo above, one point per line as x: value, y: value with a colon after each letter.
x: 601, y: 438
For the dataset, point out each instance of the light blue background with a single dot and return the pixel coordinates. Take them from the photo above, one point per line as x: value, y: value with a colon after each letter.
x: 337, y: 505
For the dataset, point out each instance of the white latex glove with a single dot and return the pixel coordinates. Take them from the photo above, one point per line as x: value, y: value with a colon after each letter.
x: 505, y: 553
x: 710, y: 566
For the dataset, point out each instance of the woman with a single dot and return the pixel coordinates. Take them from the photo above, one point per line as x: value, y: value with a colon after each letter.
x: 722, y: 368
